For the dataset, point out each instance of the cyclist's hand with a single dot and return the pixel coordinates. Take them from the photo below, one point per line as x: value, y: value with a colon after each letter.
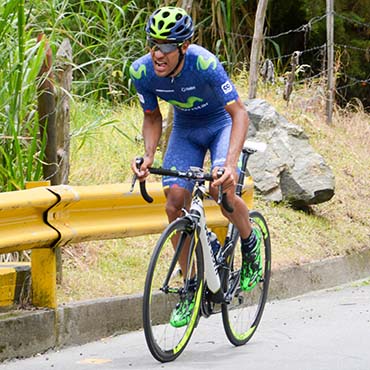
x: 141, y: 173
x: 227, y: 180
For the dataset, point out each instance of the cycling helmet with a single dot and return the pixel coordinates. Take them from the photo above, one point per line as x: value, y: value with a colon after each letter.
x: 170, y: 23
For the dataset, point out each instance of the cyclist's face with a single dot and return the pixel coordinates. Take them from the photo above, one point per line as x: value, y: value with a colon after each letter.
x: 165, y: 59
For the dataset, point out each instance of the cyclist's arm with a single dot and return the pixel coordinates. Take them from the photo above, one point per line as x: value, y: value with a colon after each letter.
x: 239, y: 130
x: 152, y: 130
x: 238, y: 135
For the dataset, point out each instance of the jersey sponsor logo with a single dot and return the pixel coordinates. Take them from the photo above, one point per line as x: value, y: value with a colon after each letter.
x: 203, y: 64
x: 189, y: 103
x: 164, y: 91
x: 227, y: 87
x: 185, y: 89
x: 138, y: 74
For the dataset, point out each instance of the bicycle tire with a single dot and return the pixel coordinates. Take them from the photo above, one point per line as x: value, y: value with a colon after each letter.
x: 166, y: 342
x: 243, y: 314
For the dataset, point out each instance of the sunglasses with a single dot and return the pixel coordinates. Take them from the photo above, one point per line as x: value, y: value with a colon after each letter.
x: 164, y: 48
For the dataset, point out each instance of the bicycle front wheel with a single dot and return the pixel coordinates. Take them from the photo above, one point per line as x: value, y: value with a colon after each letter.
x: 243, y: 314
x: 167, y: 287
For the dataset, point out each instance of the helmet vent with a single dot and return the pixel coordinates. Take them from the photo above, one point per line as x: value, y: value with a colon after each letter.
x: 180, y: 29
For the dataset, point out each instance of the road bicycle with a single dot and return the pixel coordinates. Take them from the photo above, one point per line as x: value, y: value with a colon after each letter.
x: 211, y: 279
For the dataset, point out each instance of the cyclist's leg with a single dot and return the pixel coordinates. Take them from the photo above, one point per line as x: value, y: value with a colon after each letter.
x: 240, y: 216
x: 250, y: 241
x: 182, y: 152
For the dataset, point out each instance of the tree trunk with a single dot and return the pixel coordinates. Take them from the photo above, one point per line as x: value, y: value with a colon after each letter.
x: 46, y: 110
x: 64, y: 78
x: 330, y: 53
x: 256, y: 47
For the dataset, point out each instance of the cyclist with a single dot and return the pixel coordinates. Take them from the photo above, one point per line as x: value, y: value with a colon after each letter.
x: 208, y: 115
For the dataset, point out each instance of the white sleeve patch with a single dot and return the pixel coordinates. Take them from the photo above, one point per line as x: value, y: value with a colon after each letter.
x: 227, y: 87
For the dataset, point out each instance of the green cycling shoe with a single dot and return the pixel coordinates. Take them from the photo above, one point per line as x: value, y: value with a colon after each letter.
x: 182, y: 313
x: 251, y: 271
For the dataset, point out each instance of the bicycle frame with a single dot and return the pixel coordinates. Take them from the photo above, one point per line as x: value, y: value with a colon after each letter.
x: 210, y: 266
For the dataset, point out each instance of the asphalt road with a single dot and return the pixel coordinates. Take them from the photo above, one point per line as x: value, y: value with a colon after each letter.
x: 324, y: 330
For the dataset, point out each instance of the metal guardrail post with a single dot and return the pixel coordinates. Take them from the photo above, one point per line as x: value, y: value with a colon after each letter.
x: 43, y: 268
x: 44, y: 277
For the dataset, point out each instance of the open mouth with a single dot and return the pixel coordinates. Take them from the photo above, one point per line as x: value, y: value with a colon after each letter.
x: 160, y: 66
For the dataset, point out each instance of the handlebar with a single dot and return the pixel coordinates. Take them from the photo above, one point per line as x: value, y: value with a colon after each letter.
x: 191, y: 174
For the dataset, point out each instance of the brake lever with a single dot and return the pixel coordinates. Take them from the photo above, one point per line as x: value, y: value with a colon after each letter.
x: 138, y: 161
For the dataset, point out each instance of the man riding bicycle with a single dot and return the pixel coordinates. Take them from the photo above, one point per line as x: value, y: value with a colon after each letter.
x: 208, y: 115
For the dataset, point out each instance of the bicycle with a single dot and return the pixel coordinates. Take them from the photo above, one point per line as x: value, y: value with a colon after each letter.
x: 212, y: 280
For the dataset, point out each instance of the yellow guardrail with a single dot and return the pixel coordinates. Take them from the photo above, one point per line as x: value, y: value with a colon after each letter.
x: 43, y: 218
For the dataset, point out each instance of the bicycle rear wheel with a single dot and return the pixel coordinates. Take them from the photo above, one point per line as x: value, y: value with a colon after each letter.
x: 242, y: 315
x: 165, y: 288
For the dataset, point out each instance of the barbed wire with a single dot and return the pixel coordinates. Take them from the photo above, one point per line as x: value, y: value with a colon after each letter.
x: 323, y: 47
x: 300, y: 51
x: 323, y: 73
x: 353, y: 47
x: 352, y: 20
x: 310, y: 78
x: 303, y: 28
x: 355, y: 81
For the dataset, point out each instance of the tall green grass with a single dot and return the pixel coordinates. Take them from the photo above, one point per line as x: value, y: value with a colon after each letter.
x: 103, y: 142
x: 21, y: 148
x: 106, y: 37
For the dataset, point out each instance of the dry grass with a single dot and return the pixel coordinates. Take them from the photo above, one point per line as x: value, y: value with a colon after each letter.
x: 341, y: 225
x: 105, y: 268
x: 338, y: 227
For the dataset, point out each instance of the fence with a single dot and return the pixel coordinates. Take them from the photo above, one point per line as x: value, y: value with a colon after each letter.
x: 324, y: 53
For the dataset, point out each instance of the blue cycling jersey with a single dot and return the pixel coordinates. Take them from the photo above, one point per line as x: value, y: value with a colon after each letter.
x: 199, y: 94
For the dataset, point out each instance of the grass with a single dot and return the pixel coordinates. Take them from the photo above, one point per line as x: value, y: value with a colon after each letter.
x: 21, y: 147
x: 338, y: 227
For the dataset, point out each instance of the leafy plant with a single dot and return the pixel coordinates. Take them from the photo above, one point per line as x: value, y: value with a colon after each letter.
x: 21, y: 149
x: 106, y: 37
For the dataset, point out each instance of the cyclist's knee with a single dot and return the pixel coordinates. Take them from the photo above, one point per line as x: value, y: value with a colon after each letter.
x: 177, y: 199
x: 172, y: 210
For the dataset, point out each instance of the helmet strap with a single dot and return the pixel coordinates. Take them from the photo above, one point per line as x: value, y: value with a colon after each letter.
x: 181, y: 57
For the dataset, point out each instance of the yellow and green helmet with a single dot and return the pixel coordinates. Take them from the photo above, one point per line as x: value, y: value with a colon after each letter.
x: 170, y: 23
